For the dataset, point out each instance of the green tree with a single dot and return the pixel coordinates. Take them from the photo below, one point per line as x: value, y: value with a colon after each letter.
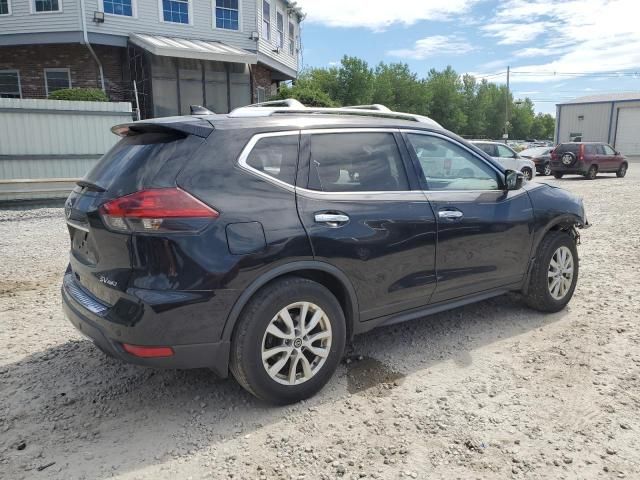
x: 445, y: 103
x: 398, y: 88
x: 543, y: 126
x: 306, y: 94
x: 355, y: 82
x: 521, y: 119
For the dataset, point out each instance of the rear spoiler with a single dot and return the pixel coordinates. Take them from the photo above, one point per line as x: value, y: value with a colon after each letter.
x: 185, y: 125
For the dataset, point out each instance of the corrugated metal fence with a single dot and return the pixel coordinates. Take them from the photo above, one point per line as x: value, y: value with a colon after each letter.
x: 45, y: 145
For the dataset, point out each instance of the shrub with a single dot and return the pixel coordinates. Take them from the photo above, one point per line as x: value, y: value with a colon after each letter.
x: 80, y: 94
x: 311, y: 97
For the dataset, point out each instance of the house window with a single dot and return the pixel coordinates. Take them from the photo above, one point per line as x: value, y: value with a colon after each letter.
x: 176, y: 11
x: 56, y: 79
x: 118, y: 7
x: 261, y: 94
x: 280, y: 28
x: 266, y: 20
x: 292, y: 39
x: 5, y: 8
x: 9, y: 84
x: 47, y: 6
x: 227, y: 14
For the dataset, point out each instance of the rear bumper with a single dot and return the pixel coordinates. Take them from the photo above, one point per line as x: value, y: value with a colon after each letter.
x: 577, y: 168
x: 96, y: 328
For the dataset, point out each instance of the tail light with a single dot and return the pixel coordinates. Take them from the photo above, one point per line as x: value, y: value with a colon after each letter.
x: 581, y: 154
x: 156, y: 211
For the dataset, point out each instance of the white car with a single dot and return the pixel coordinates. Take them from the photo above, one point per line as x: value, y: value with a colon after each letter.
x: 507, y: 157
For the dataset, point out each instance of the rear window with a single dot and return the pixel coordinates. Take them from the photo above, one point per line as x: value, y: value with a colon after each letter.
x: 276, y: 156
x: 142, y: 161
x: 567, y: 147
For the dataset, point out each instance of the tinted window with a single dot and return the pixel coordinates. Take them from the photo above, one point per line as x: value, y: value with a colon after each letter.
x: 276, y: 156
x: 447, y: 166
x: 487, y: 148
x: 608, y: 150
x: 137, y: 161
x: 505, y: 152
x: 567, y: 147
x: 346, y: 162
x: 591, y: 149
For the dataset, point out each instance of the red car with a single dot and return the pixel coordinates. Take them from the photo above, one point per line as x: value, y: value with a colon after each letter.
x: 587, y: 159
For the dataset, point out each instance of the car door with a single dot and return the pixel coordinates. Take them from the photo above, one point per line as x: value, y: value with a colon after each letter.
x: 484, y: 232
x: 613, y: 160
x: 367, y: 217
x: 507, y: 157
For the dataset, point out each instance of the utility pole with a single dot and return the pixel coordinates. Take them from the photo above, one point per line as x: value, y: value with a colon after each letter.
x: 506, y: 108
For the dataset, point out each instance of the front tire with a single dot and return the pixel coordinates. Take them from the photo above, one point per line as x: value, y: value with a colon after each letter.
x: 558, y: 175
x: 546, y: 169
x: 289, y: 341
x: 555, y: 273
x: 622, y: 171
x: 528, y: 173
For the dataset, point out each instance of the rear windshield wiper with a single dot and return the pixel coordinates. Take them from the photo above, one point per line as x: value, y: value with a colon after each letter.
x: 90, y: 186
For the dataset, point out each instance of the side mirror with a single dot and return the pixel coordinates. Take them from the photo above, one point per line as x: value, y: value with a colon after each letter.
x: 513, y: 180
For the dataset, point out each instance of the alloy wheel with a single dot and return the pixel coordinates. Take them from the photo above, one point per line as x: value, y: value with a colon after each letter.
x: 547, y: 169
x: 296, y: 343
x: 560, y: 274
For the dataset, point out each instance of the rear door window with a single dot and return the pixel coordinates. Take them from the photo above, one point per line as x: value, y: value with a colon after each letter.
x: 488, y: 148
x: 356, y: 162
x: 592, y: 150
x: 276, y: 156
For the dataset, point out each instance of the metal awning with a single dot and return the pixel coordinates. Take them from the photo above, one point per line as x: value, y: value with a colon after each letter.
x: 198, y: 49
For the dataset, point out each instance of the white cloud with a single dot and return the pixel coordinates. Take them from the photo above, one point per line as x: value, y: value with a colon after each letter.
x: 585, y: 36
x: 380, y: 14
x: 435, y: 45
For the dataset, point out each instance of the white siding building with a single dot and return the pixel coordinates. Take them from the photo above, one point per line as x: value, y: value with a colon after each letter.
x: 217, y: 53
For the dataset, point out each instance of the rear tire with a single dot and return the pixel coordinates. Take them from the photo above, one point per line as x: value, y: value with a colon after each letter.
x: 273, y: 355
x: 558, y: 175
x: 555, y: 273
x: 592, y: 173
x: 622, y: 171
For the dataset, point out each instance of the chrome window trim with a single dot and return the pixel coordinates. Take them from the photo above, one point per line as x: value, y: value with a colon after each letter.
x: 246, y: 151
x: 383, y: 194
x: 77, y: 225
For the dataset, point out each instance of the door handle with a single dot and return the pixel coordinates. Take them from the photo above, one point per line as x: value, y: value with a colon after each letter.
x: 333, y: 219
x: 450, y: 214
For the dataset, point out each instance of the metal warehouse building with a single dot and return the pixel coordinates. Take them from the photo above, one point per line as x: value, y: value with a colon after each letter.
x: 612, y: 118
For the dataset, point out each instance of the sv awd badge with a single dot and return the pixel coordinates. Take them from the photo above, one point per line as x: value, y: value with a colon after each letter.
x: 111, y: 283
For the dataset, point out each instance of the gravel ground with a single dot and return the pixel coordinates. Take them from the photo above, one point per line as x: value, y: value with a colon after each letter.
x: 492, y: 390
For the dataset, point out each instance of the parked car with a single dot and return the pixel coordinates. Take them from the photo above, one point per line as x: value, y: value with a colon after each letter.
x: 587, y: 159
x: 260, y: 242
x: 507, y: 157
x: 541, y: 157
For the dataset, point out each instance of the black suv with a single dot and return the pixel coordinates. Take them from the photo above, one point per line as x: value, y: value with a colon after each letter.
x: 263, y: 240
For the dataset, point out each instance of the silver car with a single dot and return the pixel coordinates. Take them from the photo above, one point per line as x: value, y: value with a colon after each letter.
x: 507, y: 157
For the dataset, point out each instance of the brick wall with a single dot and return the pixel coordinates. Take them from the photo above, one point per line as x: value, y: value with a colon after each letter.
x: 31, y: 60
x: 262, y: 78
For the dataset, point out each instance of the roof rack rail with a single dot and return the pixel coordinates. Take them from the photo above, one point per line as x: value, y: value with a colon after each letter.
x: 287, y: 102
x: 293, y: 107
x: 375, y: 106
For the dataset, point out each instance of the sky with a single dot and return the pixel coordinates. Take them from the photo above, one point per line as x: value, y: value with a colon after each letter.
x: 557, y: 49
